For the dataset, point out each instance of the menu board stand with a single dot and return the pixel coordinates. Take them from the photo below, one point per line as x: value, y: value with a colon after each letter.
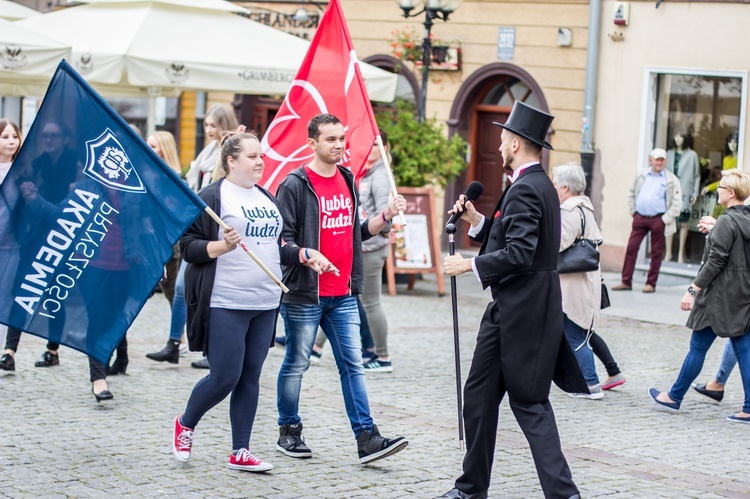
x: 417, y: 246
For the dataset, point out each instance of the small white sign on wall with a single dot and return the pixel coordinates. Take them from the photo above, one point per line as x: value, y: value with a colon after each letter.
x: 506, y: 43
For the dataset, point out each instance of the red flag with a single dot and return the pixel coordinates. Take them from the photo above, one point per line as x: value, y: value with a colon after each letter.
x: 329, y: 81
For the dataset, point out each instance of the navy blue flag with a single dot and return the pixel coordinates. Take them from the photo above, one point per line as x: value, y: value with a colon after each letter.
x: 88, y: 217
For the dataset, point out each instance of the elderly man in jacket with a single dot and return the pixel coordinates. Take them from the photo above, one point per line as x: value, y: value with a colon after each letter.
x: 654, y: 201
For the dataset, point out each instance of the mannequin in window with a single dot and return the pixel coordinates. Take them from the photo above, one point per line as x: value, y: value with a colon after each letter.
x: 730, y: 153
x: 682, y: 160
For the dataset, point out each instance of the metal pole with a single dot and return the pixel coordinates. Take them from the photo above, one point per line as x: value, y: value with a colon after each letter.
x: 589, y: 96
x: 426, y: 59
x: 450, y: 229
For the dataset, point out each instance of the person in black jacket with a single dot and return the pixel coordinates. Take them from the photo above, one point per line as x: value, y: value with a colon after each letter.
x: 232, y: 304
x: 520, y: 346
x: 320, y: 206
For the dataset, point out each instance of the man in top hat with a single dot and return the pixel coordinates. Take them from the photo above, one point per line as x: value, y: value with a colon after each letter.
x: 654, y: 201
x: 520, y: 346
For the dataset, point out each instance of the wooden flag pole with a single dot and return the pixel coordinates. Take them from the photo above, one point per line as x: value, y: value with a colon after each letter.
x: 247, y: 250
x: 392, y: 181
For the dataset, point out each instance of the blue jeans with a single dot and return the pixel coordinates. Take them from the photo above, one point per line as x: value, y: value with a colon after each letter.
x: 576, y: 337
x: 700, y: 342
x: 728, y: 361
x: 179, y: 309
x: 339, y: 319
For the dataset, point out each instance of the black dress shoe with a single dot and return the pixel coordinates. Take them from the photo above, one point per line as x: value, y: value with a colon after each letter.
x: 201, y: 364
x: 48, y: 359
x: 102, y: 395
x: 119, y: 366
x: 7, y: 362
x: 458, y: 494
x: 716, y: 395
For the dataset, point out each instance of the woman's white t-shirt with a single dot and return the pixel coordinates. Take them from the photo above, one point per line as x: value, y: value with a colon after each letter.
x: 241, y: 284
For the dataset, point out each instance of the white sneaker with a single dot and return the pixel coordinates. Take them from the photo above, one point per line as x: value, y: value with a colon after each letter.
x: 596, y: 393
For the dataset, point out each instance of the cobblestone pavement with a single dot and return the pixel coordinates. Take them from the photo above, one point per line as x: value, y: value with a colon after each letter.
x: 58, y: 442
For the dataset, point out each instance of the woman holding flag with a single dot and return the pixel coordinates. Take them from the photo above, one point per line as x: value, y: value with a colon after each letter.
x: 231, y: 321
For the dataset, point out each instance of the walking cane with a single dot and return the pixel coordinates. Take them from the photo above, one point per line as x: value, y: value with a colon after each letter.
x: 450, y: 229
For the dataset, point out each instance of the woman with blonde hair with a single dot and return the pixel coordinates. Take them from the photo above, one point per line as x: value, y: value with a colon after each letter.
x: 165, y: 147
x: 219, y: 120
x: 173, y: 286
x: 719, y: 297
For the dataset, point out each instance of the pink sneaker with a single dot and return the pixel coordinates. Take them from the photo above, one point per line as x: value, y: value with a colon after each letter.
x: 243, y: 460
x: 614, y: 381
x: 182, y: 441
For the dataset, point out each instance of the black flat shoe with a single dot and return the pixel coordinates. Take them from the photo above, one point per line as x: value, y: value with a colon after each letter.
x: 119, y: 366
x: 102, y: 395
x: 717, y: 395
x: 201, y: 364
x: 7, y: 362
x: 48, y: 359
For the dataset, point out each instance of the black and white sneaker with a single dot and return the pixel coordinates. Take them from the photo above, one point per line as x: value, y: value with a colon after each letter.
x: 372, y: 446
x: 291, y: 441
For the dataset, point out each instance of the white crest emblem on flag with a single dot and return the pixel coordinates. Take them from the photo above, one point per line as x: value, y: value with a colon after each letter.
x: 108, y: 164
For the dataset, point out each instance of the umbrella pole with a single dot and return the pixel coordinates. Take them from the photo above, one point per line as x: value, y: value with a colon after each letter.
x: 450, y: 229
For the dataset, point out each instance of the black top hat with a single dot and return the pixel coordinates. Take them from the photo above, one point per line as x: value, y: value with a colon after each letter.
x: 528, y: 122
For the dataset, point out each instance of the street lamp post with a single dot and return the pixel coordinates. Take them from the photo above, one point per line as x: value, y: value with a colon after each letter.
x: 433, y: 9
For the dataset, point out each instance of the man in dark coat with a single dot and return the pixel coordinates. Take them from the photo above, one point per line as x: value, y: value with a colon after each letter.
x: 520, y: 346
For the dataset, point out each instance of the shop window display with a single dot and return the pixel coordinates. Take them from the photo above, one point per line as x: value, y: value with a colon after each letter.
x: 697, y: 120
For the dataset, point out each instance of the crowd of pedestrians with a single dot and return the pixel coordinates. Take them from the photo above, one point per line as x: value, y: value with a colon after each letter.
x: 326, y: 234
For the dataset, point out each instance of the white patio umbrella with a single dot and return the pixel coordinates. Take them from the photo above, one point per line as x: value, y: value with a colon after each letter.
x: 27, y: 59
x: 12, y: 11
x: 154, y: 45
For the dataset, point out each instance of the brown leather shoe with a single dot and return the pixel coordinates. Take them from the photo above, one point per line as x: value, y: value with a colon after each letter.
x: 622, y: 287
x: 648, y: 288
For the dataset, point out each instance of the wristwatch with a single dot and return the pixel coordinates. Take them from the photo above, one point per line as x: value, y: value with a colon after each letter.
x: 692, y: 291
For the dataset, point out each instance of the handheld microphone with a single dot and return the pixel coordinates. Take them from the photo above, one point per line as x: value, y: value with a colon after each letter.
x: 473, y: 191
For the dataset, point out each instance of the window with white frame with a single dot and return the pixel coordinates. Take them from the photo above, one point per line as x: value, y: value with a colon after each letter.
x: 698, y: 118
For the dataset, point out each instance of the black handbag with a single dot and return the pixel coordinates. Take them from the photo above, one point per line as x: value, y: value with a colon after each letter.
x: 581, y: 256
x: 605, y: 297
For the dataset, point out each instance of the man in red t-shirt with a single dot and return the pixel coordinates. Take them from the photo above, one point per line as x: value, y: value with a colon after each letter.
x: 321, y: 212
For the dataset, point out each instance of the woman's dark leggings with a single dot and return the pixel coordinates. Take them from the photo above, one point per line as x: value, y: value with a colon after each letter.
x: 238, y: 342
x: 602, y: 352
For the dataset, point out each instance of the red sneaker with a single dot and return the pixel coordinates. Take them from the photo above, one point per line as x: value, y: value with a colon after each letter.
x: 182, y: 441
x: 243, y: 460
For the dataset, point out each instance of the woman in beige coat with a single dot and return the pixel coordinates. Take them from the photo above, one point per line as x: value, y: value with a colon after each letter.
x: 581, y: 291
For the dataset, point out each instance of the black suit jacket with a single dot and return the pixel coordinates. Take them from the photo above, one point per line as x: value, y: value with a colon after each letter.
x: 518, y: 262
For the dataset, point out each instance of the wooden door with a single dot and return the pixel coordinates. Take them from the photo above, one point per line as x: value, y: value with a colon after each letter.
x: 487, y: 162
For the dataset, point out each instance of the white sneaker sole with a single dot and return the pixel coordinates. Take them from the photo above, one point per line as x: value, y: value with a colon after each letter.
x: 299, y: 455
x: 179, y: 457
x: 385, y: 452
x: 591, y: 396
x: 257, y: 469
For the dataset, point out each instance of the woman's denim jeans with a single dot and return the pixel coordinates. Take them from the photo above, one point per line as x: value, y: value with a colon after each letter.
x: 576, y: 337
x: 179, y: 309
x: 700, y: 342
x: 728, y: 361
x: 339, y: 319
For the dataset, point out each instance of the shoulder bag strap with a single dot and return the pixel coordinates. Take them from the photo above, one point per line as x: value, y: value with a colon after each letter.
x: 583, y: 223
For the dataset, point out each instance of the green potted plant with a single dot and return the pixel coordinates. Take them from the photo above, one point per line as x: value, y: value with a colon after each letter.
x: 421, y: 153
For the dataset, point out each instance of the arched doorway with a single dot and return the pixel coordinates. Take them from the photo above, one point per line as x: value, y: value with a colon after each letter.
x: 487, y: 96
